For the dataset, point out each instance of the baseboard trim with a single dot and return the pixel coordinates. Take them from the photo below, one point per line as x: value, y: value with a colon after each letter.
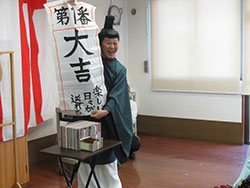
x: 213, y: 131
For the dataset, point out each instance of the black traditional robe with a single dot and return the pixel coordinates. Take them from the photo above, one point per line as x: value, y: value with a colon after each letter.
x: 118, y: 124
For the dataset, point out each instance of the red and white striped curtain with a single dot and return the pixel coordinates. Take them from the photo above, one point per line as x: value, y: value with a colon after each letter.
x: 24, y: 31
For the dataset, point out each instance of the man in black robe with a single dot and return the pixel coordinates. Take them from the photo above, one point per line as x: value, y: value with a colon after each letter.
x: 116, y: 114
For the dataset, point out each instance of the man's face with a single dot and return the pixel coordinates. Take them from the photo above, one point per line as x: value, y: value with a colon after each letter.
x: 109, y: 47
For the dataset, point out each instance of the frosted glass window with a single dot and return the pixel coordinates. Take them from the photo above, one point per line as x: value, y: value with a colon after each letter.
x: 246, y: 51
x: 195, y: 45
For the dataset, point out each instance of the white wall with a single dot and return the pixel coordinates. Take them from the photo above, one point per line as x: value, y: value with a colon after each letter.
x: 101, y: 11
x: 169, y: 104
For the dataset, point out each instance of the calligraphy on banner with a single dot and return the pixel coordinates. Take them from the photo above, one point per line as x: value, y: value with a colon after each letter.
x: 79, y: 68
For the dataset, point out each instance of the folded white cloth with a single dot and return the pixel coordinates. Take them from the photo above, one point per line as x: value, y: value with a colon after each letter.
x: 134, y: 110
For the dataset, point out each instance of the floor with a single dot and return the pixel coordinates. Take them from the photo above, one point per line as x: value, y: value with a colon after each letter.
x: 164, y: 163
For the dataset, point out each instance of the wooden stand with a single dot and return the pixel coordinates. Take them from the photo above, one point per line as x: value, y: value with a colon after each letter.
x: 13, y: 123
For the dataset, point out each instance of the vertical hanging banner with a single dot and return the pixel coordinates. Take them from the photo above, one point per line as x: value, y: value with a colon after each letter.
x: 79, y: 68
x: 5, y: 98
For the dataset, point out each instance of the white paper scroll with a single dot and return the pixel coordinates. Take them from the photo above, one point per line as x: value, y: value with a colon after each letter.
x: 79, y: 68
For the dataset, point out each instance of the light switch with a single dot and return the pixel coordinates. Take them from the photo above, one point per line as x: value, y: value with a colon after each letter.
x: 146, y: 66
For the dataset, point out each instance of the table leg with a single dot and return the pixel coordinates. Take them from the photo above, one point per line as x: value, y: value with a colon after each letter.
x: 64, y: 173
x: 90, y: 175
x: 76, y: 167
x: 96, y: 179
x: 92, y: 171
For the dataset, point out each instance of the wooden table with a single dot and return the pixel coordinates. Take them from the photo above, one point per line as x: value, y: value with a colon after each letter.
x: 81, y: 156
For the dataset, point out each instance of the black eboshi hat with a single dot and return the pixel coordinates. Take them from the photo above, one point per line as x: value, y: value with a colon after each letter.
x: 108, y: 30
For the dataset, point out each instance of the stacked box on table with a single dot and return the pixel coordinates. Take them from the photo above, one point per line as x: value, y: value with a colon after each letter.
x: 73, y: 133
x: 91, y: 144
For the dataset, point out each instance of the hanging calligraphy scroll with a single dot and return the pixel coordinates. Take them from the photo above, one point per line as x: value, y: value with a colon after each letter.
x: 79, y: 68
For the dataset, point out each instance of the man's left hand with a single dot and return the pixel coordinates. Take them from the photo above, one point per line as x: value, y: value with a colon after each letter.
x: 99, y: 114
